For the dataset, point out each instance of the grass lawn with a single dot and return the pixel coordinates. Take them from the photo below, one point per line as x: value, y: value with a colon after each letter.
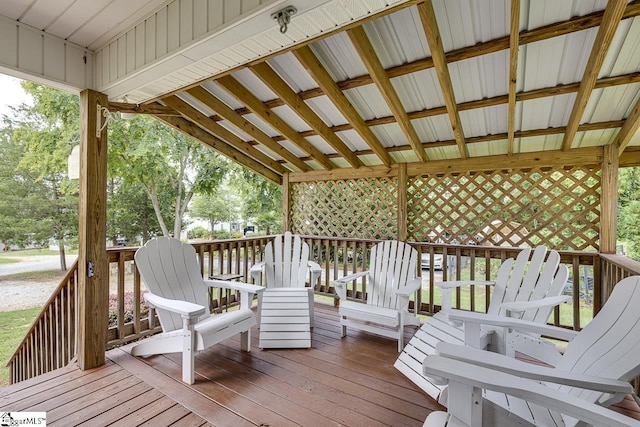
x: 8, y: 260
x: 13, y: 327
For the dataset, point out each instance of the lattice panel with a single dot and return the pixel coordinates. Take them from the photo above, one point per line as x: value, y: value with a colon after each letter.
x: 359, y: 208
x: 559, y: 208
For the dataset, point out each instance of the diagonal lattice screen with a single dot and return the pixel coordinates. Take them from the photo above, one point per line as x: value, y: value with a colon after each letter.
x: 360, y: 208
x: 559, y: 208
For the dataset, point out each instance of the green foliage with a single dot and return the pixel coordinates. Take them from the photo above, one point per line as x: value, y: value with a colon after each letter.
x: 13, y: 327
x: 629, y: 210
x: 199, y: 233
x: 262, y: 200
x: 212, y: 208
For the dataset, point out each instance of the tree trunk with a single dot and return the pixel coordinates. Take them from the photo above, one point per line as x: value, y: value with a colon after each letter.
x: 63, y: 258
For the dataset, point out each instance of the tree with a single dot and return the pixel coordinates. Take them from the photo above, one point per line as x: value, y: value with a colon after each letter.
x: 211, y: 208
x: 262, y: 200
x: 129, y: 212
x: 44, y: 134
x: 629, y: 210
x: 169, y: 166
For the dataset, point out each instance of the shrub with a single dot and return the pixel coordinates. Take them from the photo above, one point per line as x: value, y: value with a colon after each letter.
x: 128, y: 308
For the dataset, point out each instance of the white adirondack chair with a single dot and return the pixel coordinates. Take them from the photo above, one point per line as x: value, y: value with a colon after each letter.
x: 595, y: 368
x: 467, y: 381
x: 285, y: 309
x: 177, y: 291
x: 391, y: 279
x: 527, y: 291
x: 286, y: 265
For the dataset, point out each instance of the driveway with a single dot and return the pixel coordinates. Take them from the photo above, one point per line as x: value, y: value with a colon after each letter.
x: 34, y: 263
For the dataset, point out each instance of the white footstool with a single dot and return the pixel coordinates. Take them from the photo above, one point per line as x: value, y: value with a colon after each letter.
x: 284, y: 319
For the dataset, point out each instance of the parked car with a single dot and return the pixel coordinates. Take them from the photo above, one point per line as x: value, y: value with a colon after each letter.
x: 437, y: 261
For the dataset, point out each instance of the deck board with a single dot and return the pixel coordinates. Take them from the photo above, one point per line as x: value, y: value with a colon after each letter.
x: 338, y: 381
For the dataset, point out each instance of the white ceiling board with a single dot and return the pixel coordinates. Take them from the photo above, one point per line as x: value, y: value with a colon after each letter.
x: 492, y: 148
x: 482, y: 77
x: 368, y: 102
x: 613, y: 103
x: 408, y: 156
x: 254, y: 85
x: 196, y: 104
x: 437, y: 128
x: 484, y: 121
x: 353, y: 140
x: 292, y: 72
x: 541, y: 113
x: 390, y: 135
x: 370, y: 160
x: 321, y: 144
x: 326, y: 110
x: 623, y: 55
x: 260, y: 124
x: 595, y: 138
x: 223, y: 95
x: 540, y: 143
x: 291, y: 118
x: 338, y: 55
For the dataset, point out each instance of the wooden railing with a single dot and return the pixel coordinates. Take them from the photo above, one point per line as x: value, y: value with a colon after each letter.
x: 50, y: 342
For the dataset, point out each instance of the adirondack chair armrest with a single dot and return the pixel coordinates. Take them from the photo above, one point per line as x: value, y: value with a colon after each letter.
x: 412, y: 286
x: 187, y: 310
x: 236, y: 286
x: 466, y: 380
x: 511, y: 323
x: 316, y: 272
x: 535, y: 372
x: 522, y: 306
x: 340, y: 285
x: 256, y: 271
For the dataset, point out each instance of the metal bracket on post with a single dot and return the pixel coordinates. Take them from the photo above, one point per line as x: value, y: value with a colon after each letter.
x: 90, y: 269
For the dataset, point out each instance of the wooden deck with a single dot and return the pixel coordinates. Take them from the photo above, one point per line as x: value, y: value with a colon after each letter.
x: 347, y: 381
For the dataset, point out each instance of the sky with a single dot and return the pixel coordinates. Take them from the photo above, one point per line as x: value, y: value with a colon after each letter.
x: 11, y: 93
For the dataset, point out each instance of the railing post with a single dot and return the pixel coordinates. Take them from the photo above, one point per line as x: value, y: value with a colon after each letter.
x: 609, y: 199
x: 286, y: 202
x: 93, y: 269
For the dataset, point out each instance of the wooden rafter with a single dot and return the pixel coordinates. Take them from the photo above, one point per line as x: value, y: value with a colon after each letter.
x: 377, y: 72
x: 628, y: 130
x: 223, y: 134
x: 503, y: 136
x: 241, y: 93
x: 297, y: 104
x: 330, y: 88
x: 191, y: 129
x: 227, y: 113
x: 514, y: 41
x: 430, y: 25
x: 154, y: 109
x: 610, y: 21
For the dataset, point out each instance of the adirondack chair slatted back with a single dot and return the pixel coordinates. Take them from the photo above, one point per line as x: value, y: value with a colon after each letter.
x: 392, y: 264
x: 286, y: 261
x: 609, y: 346
x: 525, y: 281
x: 169, y: 268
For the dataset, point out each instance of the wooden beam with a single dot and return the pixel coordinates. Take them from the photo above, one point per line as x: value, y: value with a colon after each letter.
x: 215, y: 143
x: 329, y: 87
x: 430, y: 26
x: 368, y: 56
x: 93, y: 268
x: 610, y: 21
x: 629, y: 128
x: 245, y: 96
x: 630, y: 157
x: 402, y: 202
x: 297, y: 104
x: 223, y: 134
x: 227, y: 113
x: 154, y: 109
x: 609, y: 199
x: 514, y: 42
x: 590, y: 156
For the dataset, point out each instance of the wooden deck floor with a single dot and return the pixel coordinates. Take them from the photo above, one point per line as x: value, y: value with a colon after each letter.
x: 348, y: 381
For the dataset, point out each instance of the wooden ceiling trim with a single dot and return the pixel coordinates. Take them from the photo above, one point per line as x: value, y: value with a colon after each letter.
x: 297, y: 104
x: 629, y: 128
x: 514, y: 42
x: 377, y: 72
x: 498, y: 136
x: 215, y: 143
x: 227, y: 113
x: 329, y: 87
x: 430, y: 26
x: 243, y: 95
x: 229, y: 137
x: 610, y: 21
x: 630, y: 157
x: 590, y: 156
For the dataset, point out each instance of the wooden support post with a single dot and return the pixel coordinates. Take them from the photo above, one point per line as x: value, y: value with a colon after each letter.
x: 93, y: 273
x: 609, y: 199
x: 286, y: 203
x: 402, y: 202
